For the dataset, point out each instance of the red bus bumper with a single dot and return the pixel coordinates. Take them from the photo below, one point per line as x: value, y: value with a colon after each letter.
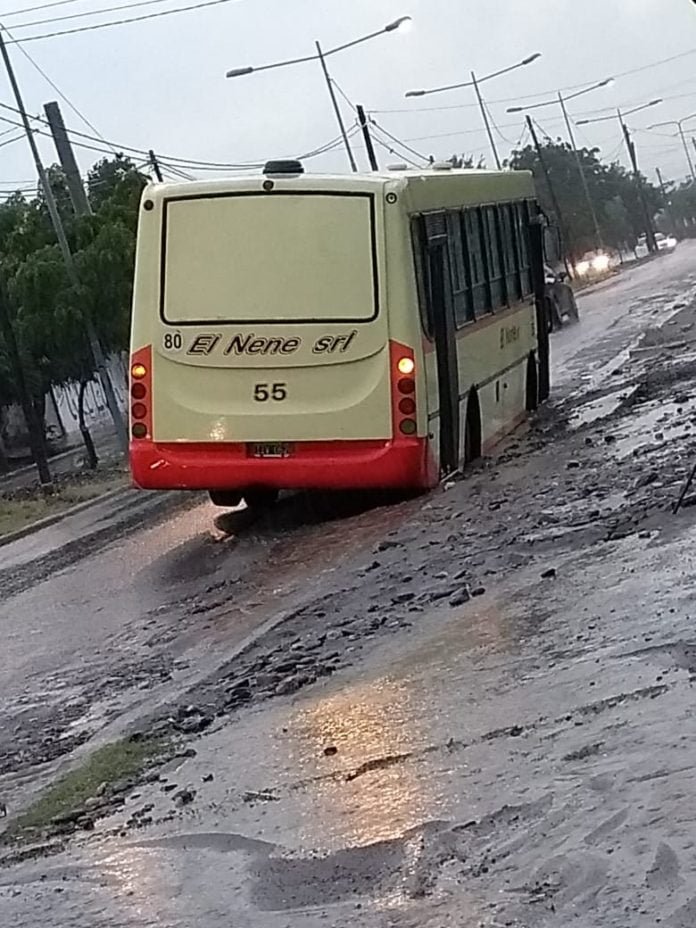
x: 316, y: 465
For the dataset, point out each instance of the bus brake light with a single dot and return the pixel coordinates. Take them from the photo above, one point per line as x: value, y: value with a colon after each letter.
x: 138, y: 371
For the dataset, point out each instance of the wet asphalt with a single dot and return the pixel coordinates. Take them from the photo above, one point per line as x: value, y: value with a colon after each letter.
x: 472, y: 709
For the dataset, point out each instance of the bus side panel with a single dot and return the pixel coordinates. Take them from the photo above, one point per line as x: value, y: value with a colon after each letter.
x: 492, y: 356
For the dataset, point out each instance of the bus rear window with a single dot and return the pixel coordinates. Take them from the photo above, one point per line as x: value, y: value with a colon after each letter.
x: 272, y: 257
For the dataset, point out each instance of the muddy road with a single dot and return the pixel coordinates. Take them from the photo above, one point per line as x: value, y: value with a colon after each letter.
x: 467, y: 709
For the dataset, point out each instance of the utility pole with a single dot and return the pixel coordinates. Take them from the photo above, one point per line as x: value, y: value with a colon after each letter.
x: 154, y: 164
x: 552, y: 192
x: 687, y: 152
x: 66, y: 156
x: 369, y: 147
x: 95, y: 347
x: 581, y: 171
x: 668, y: 205
x: 337, y: 110
x: 37, y: 441
x: 486, y: 121
x: 630, y: 145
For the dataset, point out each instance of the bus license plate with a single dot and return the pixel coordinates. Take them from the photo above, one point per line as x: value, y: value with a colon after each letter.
x: 277, y: 450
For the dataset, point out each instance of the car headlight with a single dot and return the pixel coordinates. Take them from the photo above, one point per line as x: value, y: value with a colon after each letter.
x: 600, y: 262
x: 582, y: 267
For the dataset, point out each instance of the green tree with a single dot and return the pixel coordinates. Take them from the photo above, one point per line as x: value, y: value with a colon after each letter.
x: 48, y: 312
x: 607, y: 184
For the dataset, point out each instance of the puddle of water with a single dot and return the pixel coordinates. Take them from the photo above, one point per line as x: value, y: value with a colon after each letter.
x: 600, y: 408
x: 654, y: 425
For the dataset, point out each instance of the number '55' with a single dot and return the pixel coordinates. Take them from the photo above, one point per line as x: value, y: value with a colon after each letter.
x: 263, y: 392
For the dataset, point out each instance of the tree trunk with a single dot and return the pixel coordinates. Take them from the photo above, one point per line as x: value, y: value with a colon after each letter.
x: 92, y: 459
x: 37, y: 441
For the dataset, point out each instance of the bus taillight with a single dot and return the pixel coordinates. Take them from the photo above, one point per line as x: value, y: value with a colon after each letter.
x: 141, y: 394
x: 403, y: 390
x: 406, y: 366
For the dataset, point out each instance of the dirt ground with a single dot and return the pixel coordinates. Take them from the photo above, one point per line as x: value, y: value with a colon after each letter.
x: 468, y: 709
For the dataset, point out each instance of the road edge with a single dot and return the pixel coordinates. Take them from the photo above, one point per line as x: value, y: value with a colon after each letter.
x: 34, y: 527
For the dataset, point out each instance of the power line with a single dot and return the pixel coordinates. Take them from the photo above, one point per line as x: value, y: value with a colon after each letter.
x: 41, y: 6
x: 392, y: 151
x: 191, y: 162
x: 119, y: 22
x: 108, y: 9
x: 398, y: 141
x: 59, y: 92
x: 495, y: 126
x: 344, y: 95
x: 540, y: 93
x: 11, y: 141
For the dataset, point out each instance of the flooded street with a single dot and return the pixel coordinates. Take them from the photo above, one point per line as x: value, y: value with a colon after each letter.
x: 467, y: 709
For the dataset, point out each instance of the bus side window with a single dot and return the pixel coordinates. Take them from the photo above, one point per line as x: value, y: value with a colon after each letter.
x: 476, y: 260
x: 495, y: 259
x: 510, y: 253
x: 461, y: 287
x: 420, y: 257
x: 522, y: 229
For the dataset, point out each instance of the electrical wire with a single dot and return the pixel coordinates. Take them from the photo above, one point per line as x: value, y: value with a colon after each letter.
x: 41, y: 6
x: 495, y: 126
x: 60, y: 93
x: 398, y: 141
x: 540, y: 93
x: 522, y: 138
x: 344, y: 95
x: 392, y: 151
x: 11, y: 141
x: 119, y: 22
x: 190, y: 162
x: 543, y: 131
x: 108, y: 9
x: 176, y: 172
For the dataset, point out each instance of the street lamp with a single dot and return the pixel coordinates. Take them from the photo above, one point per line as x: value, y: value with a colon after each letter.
x: 581, y: 171
x: 679, y: 123
x: 619, y: 114
x: 631, y: 148
x: 474, y: 82
x: 402, y: 23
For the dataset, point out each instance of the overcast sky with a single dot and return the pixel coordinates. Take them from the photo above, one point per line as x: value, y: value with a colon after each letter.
x: 161, y: 83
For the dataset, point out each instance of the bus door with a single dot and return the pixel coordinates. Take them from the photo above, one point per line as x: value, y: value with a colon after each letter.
x: 441, y: 319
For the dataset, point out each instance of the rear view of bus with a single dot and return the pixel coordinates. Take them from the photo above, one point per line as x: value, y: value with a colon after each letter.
x: 264, y: 356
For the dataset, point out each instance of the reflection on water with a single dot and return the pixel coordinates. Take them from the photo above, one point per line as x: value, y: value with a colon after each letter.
x: 137, y: 886
x: 367, y: 722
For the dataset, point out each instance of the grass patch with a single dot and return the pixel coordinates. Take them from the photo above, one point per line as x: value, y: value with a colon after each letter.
x: 110, y: 764
x: 22, y: 508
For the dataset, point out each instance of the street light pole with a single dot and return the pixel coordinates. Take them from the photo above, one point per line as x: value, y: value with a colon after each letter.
x: 686, y: 151
x: 486, y: 120
x: 563, y: 100
x: 581, y: 171
x: 630, y: 145
x: 337, y: 110
x: 563, y: 229
x: 475, y: 82
x: 402, y: 22
x: 679, y: 123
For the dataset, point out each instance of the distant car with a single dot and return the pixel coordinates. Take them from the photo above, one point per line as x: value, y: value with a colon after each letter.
x: 561, y: 305
x: 665, y: 242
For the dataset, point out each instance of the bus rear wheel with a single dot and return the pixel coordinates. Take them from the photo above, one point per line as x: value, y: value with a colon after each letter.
x: 532, y: 391
x: 472, y: 430
x: 260, y: 499
x: 227, y: 499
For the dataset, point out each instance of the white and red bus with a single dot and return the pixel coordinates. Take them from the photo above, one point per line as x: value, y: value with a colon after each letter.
x: 306, y: 331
